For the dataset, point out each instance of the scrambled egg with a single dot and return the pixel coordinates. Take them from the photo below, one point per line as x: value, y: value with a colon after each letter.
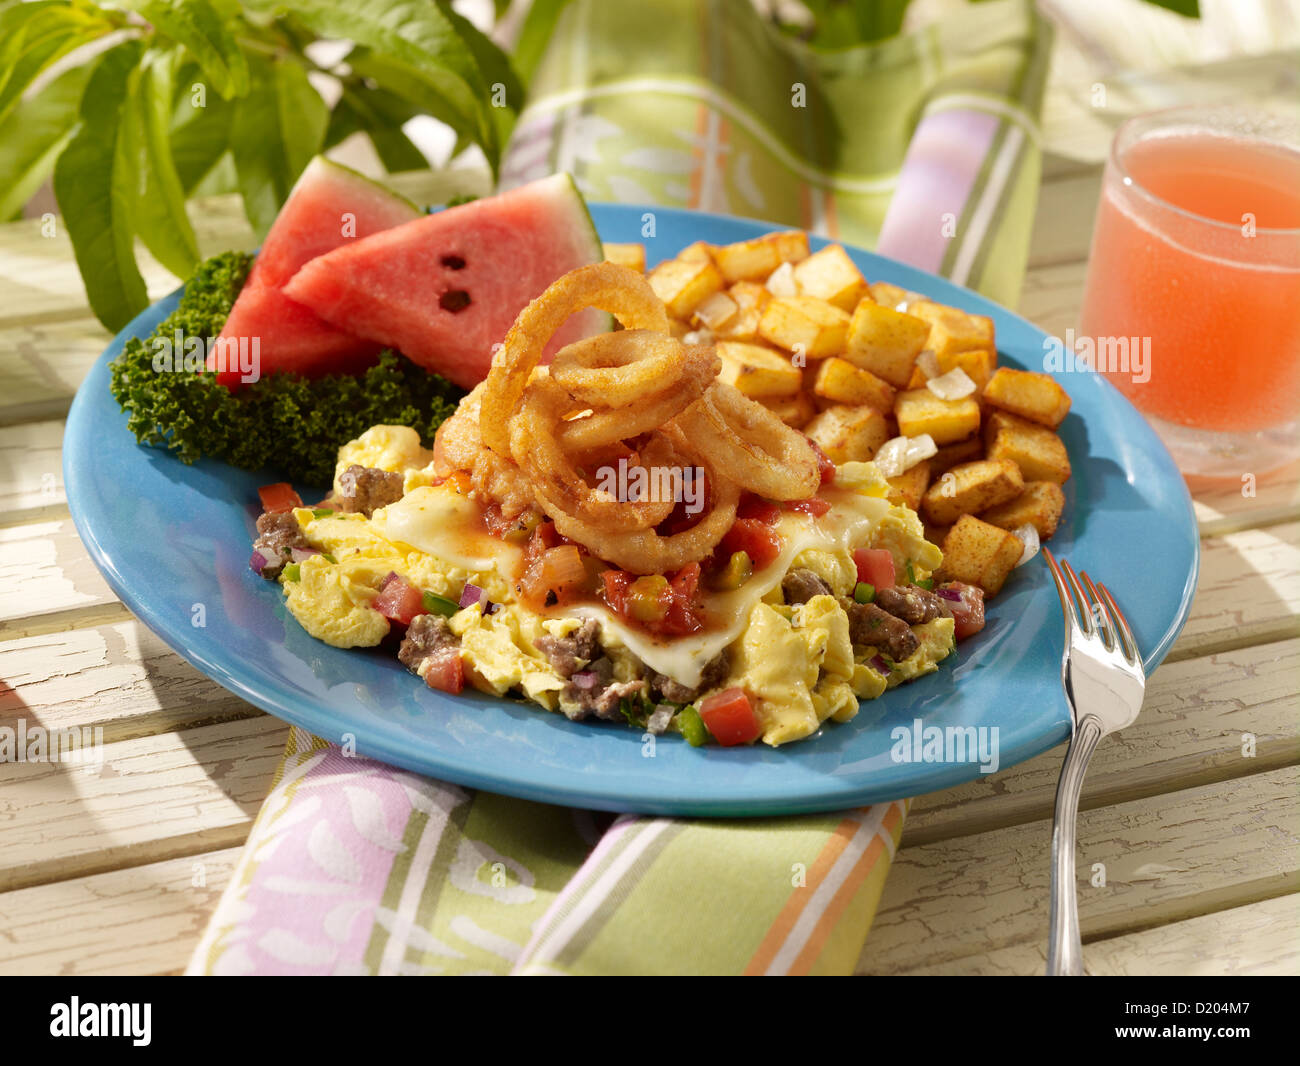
x: 797, y: 661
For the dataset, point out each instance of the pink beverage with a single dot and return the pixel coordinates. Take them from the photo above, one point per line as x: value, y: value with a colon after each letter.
x: 1195, y: 270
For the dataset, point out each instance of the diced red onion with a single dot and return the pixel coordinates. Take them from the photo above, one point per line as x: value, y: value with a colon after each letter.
x: 470, y: 596
x: 1028, y: 536
x: 585, y: 679
x: 949, y: 594
x: 898, y: 455
x: 879, y: 664
x: 300, y: 554
x: 257, y: 562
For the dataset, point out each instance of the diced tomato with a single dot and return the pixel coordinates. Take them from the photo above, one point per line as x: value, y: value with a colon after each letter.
x: 757, y: 539
x: 279, y: 497
x: 756, y: 507
x: 967, y: 612
x: 875, y: 567
x: 616, y: 586
x: 814, y: 506
x: 399, y: 600
x: 824, y: 465
x: 730, y: 717
x: 446, y: 672
x: 677, y: 611
x: 686, y: 581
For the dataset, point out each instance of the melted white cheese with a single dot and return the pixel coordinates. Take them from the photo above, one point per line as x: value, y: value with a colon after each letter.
x: 444, y: 523
x: 850, y: 524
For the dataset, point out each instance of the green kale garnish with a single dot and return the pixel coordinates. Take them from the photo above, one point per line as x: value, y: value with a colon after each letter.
x: 285, y: 422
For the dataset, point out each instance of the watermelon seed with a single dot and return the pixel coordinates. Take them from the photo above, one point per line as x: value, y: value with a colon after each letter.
x: 454, y: 300
x: 453, y: 262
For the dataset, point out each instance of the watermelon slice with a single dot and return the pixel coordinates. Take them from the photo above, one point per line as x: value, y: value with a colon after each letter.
x: 329, y: 206
x: 445, y: 288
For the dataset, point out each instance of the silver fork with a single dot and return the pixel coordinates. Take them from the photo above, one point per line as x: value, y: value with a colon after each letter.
x: 1101, y: 671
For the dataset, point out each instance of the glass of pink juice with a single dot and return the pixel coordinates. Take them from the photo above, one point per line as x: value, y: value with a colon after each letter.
x: 1192, y: 300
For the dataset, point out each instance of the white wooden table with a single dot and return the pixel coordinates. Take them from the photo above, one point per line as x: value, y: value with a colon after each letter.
x: 117, y: 872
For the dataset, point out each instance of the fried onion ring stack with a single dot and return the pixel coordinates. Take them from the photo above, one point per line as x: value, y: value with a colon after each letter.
x: 640, y: 394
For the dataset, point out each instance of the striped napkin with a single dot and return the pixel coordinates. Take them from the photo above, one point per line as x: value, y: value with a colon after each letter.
x: 923, y: 146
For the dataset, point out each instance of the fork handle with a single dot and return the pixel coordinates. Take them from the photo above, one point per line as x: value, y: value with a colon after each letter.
x: 1064, y: 948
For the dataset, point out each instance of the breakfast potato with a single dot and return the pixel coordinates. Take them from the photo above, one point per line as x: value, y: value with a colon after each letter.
x: 1028, y: 394
x: 1040, y: 505
x: 839, y: 381
x: 935, y: 534
x: 909, y: 486
x: 887, y: 294
x: 1037, y: 450
x: 631, y: 256
x: 800, y: 324
x: 951, y: 329
x: 685, y: 284
x: 849, y: 434
x: 755, y: 260
x: 758, y: 371
x: 978, y: 364
x: 971, y: 488
x: 885, y: 341
x: 949, y: 455
x: 979, y: 554
x: 750, y: 298
x: 698, y: 252
x: 831, y: 276
x: 795, y: 411
x: 921, y: 411
x: 715, y: 312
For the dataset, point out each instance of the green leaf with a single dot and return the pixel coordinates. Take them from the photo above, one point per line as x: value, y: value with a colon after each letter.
x: 92, y: 183
x: 34, y: 36
x: 201, y: 29
x: 505, y: 92
x: 379, y: 114
x: 535, y: 35
x: 407, y: 82
x: 277, y: 129
x: 159, y: 210
x: 33, y: 135
x: 200, y: 136
x: 435, y: 48
x: 1188, y: 8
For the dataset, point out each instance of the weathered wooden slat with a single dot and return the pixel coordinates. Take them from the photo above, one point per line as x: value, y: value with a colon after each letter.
x: 140, y: 920
x: 48, y: 581
x: 154, y: 798
x: 119, y: 677
x: 42, y: 363
x: 1255, y: 940
x: 31, y: 471
x: 1248, y: 503
x: 1199, y: 719
x: 1063, y: 222
x: 1167, y: 858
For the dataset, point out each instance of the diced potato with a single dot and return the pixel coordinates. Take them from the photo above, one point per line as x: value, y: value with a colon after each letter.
x: 631, y: 256
x: 678, y: 328
x: 887, y: 294
x: 750, y: 298
x: 747, y: 260
x: 953, y: 330
x: 1037, y: 450
x: 949, y: 455
x: 979, y: 554
x: 802, y: 325
x: 978, y: 364
x: 849, y: 434
x: 758, y: 371
x: 1031, y: 395
x: 831, y: 276
x: 684, y: 285
x: 1040, y: 505
x: 971, y: 488
x: 885, y: 341
x: 794, y: 410
x: 699, y: 252
x: 910, y: 486
x: 921, y: 411
x: 715, y: 312
x: 840, y: 381
x: 935, y: 534
x: 791, y: 245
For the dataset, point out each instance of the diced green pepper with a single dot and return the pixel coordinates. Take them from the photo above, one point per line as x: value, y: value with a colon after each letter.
x: 435, y: 604
x: 691, y: 726
x: 321, y: 512
x: 911, y: 574
x: 864, y: 593
x: 926, y: 583
x: 292, y: 572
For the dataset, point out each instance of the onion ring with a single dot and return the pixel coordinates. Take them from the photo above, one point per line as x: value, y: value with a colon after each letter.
x: 756, y: 448
x: 648, y: 412
x: 622, y: 292
x: 618, y: 369
x: 553, y: 475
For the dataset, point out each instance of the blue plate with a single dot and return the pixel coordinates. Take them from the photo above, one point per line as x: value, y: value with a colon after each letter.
x: 169, y: 537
